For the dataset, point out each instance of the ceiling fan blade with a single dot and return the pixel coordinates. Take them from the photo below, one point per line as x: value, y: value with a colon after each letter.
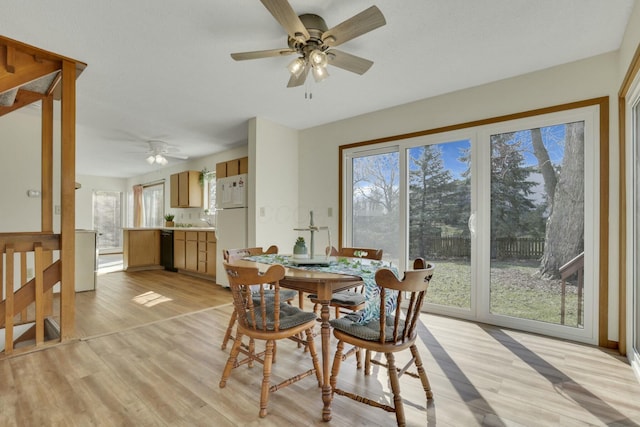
x: 287, y: 17
x: 348, y: 62
x: 299, y: 81
x: 241, y: 56
x: 176, y: 156
x: 357, y: 25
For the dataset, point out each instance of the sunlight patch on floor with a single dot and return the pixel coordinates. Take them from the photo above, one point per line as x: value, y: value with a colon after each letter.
x: 109, y: 263
x: 149, y: 299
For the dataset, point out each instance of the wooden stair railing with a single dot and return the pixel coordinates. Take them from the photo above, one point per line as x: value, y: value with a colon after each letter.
x: 576, y: 265
x: 35, y: 291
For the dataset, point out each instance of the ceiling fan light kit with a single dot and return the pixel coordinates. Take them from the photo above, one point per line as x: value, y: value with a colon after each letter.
x: 160, y: 150
x: 158, y: 158
x: 309, y: 38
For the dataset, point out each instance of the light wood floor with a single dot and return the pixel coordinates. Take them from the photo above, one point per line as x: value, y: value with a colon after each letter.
x: 150, y: 356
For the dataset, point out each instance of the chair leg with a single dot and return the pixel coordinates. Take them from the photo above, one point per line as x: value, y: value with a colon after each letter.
x: 227, y: 335
x: 367, y: 362
x: 231, y: 360
x: 275, y: 351
x: 336, y: 366
x: 252, y: 351
x: 358, y: 358
x: 311, y: 346
x: 266, y: 378
x: 395, y: 388
x: 421, y: 372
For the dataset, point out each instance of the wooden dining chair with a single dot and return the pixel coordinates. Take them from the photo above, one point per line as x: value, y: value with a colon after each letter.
x: 266, y: 318
x: 350, y: 299
x: 418, y: 264
x: 230, y: 255
x: 390, y: 334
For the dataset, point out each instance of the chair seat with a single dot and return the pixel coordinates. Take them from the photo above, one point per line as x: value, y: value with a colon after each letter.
x: 348, y: 298
x: 369, y: 331
x: 290, y: 317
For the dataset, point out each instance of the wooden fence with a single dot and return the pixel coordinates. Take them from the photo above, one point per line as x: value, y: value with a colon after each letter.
x: 501, y: 248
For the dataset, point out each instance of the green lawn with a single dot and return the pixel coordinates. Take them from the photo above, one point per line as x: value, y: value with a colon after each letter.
x: 516, y: 290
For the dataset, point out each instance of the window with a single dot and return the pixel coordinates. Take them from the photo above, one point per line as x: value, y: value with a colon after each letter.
x: 153, y: 205
x: 210, y: 192
x: 479, y: 202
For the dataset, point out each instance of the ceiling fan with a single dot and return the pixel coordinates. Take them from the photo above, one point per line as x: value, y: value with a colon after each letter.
x: 314, y: 43
x: 159, y: 151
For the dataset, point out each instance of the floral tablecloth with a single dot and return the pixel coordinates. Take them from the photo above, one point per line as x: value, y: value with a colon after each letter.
x: 363, y: 268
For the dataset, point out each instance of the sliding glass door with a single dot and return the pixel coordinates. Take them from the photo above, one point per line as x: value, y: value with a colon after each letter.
x: 107, y: 220
x: 374, y: 204
x: 537, y: 222
x: 633, y: 221
x: 507, y: 212
x: 439, y: 209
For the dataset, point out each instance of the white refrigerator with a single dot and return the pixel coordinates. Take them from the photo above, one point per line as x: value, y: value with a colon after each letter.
x: 231, y: 219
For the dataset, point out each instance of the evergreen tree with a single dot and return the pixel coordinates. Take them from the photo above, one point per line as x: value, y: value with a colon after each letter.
x: 510, y: 188
x: 430, y: 202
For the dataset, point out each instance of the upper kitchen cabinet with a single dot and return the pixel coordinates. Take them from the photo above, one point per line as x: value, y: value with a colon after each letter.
x: 186, y: 191
x: 232, y: 167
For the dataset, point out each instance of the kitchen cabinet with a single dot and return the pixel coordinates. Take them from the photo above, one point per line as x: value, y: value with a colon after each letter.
x: 207, y: 253
x: 141, y: 248
x: 232, y: 167
x: 179, y: 250
x: 195, y: 252
x: 185, y: 189
x: 191, y: 249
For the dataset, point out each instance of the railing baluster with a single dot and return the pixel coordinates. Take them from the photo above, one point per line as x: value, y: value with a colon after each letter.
x: 23, y: 281
x: 39, y: 268
x: 8, y: 317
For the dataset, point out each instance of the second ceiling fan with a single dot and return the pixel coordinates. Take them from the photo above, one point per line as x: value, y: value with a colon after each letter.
x: 309, y: 37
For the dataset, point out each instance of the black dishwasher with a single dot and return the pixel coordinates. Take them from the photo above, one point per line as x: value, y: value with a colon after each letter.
x: 166, y: 247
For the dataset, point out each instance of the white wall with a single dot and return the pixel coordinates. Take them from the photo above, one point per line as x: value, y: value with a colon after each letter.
x: 273, y: 171
x: 589, y: 78
x: 20, y: 168
x: 630, y: 42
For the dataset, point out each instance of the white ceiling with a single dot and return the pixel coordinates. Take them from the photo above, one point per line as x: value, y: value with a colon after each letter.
x: 160, y: 69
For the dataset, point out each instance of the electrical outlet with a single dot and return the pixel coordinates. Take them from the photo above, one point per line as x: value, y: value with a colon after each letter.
x: 56, y: 210
x: 29, y: 271
x: 262, y: 213
x: 330, y: 212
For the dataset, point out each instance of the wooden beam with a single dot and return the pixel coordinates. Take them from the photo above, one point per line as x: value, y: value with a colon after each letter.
x: 11, y: 59
x: 23, y: 98
x: 54, y: 84
x: 46, y: 185
x: 68, y: 201
x: 25, y: 242
x: 39, y: 54
x: 25, y: 74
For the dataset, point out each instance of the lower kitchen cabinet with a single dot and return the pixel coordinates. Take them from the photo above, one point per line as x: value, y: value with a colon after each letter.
x: 141, y: 248
x: 195, y: 251
x: 207, y: 253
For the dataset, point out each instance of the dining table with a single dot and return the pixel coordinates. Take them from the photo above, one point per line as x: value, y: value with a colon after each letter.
x: 323, y: 280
